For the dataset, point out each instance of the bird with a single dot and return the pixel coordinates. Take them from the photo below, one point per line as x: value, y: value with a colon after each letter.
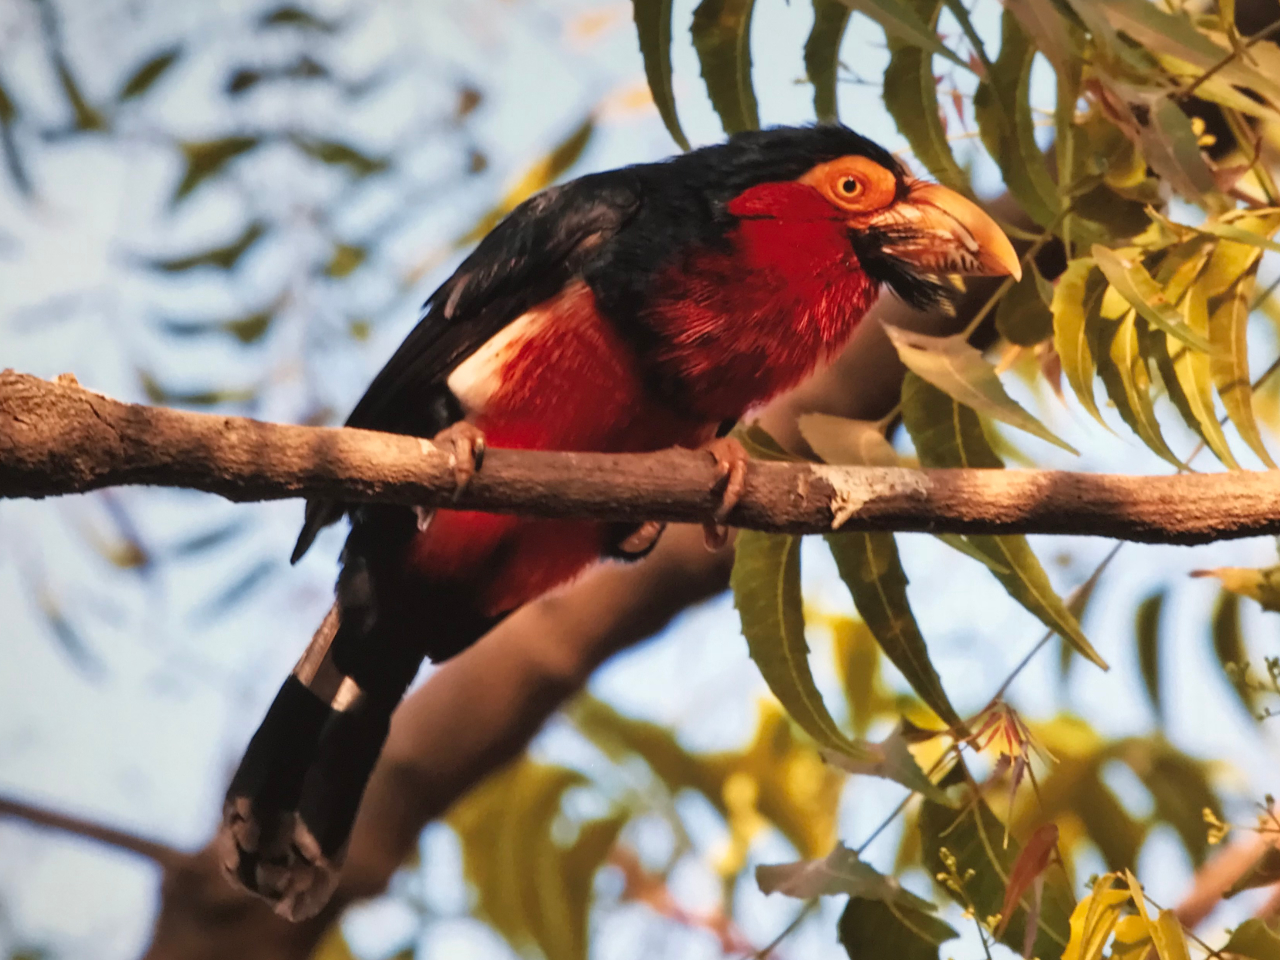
x: 630, y: 310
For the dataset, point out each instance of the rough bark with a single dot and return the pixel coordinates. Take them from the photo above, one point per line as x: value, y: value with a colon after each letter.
x: 60, y: 438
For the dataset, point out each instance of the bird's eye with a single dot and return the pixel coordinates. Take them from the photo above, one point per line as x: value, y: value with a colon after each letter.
x: 850, y: 187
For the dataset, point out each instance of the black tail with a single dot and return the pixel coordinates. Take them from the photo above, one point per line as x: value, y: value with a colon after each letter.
x: 293, y: 801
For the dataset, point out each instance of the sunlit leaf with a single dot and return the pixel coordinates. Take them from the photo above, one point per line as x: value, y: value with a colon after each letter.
x: 842, y: 441
x: 840, y: 872
x: 1002, y: 107
x: 1262, y: 584
x: 975, y: 837
x: 766, y: 591
x: 1128, y: 381
x: 1146, y: 628
x: 1193, y: 379
x: 334, y: 153
x: 1039, y: 852
x: 333, y: 946
x: 901, y: 22
x: 1131, y: 280
x: 1255, y: 940
x: 1229, y: 362
x: 1094, y: 918
x: 1023, y: 315
x: 223, y: 258
x: 822, y: 55
x: 872, y: 930
x: 870, y: 567
x: 948, y: 434
x: 911, y: 96
x: 1075, y: 296
x: 206, y: 158
x: 722, y: 36
x: 960, y: 371
x: 653, y: 26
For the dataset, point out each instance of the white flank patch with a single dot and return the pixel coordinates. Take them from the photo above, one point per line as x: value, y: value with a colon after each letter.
x: 477, y: 378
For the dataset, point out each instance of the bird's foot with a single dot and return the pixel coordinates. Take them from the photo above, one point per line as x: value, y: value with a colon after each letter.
x: 731, y: 465
x: 465, y: 444
x: 281, y: 862
x: 642, y: 539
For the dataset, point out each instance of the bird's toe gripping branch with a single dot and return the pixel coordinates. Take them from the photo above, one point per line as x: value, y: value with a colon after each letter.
x: 465, y: 444
x: 731, y: 465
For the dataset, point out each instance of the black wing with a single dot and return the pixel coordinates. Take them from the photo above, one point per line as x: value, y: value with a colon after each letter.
x: 527, y: 258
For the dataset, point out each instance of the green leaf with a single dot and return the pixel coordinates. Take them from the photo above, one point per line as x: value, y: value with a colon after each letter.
x: 345, y: 260
x: 759, y: 444
x: 145, y: 77
x: 1128, y: 382
x: 901, y: 22
x: 1194, y: 378
x: 1229, y: 361
x: 722, y: 36
x: 976, y: 838
x: 870, y: 567
x: 223, y: 258
x: 766, y: 591
x: 1255, y: 940
x: 842, y: 441
x: 85, y: 116
x: 873, y: 930
x: 822, y: 56
x: 340, y: 154
x: 1075, y: 297
x: 1262, y: 585
x: 653, y: 27
x: 159, y: 394
x: 1229, y: 647
x: 248, y: 329
x: 1002, y: 107
x: 1179, y: 786
x: 205, y: 158
x: 1146, y: 628
x: 840, y: 872
x: 911, y: 96
x: 960, y: 371
x: 893, y: 760
x: 1023, y: 315
x: 948, y: 434
x: 1131, y: 281
x: 289, y: 15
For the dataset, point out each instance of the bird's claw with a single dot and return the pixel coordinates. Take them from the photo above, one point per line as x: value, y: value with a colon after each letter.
x: 642, y: 538
x: 731, y: 466
x: 465, y: 444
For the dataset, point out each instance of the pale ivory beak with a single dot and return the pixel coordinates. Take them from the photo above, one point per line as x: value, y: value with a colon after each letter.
x: 939, y: 231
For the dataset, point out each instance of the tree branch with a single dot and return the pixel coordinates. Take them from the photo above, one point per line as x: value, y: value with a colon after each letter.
x: 60, y: 438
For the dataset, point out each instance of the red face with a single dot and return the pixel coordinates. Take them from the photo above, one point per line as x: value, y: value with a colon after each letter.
x: 747, y: 322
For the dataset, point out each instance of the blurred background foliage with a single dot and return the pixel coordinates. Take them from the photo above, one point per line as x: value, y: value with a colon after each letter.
x: 238, y: 207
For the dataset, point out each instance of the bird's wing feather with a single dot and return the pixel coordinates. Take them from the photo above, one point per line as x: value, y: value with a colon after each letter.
x: 526, y: 259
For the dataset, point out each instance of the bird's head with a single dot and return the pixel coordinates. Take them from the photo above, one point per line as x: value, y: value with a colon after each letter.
x: 905, y: 232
